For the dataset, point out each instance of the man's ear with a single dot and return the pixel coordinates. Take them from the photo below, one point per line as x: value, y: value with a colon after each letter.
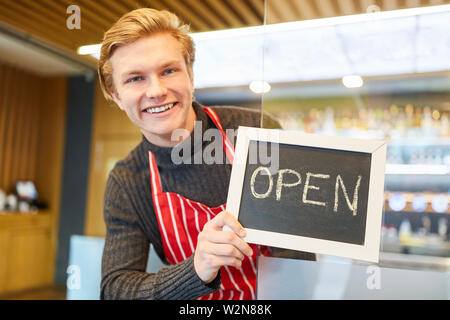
x: 116, y: 98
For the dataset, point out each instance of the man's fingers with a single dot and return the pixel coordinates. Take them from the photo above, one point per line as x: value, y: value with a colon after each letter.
x: 225, y: 218
x: 224, y: 237
x: 230, y: 261
x: 219, y: 261
x: 227, y: 250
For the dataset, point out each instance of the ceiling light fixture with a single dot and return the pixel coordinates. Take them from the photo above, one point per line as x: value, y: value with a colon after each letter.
x: 92, y: 49
x: 352, y: 81
x: 259, y: 86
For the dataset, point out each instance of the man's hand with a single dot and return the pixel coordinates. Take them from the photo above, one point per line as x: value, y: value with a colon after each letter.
x: 216, y: 248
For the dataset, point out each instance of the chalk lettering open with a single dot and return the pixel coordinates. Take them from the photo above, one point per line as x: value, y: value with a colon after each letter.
x: 338, y: 184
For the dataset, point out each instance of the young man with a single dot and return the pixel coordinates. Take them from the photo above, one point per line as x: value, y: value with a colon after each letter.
x: 146, y: 69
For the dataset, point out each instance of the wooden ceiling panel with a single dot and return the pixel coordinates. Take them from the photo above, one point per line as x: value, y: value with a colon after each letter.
x: 258, y: 8
x: 188, y: 15
x: 364, y: 4
x: 346, y: 7
x: 389, y: 5
x: 245, y: 11
x: 305, y: 9
x: 285, y: 10
x: 230, y: 17
x: 326, y: 8
x: 46, y: 19
x: 212, y: 17
x: 272, y: 12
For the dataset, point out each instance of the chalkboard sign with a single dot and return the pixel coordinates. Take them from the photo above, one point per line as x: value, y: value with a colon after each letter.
x: 309, y: 192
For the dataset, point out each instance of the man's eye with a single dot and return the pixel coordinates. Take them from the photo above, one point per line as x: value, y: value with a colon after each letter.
x: 134, y: 79
x: 169, y: 71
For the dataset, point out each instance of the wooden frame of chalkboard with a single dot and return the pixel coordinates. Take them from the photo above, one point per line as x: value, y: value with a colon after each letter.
x: 323, y: 195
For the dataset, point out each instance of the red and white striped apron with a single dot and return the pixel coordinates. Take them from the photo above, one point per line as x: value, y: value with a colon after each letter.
x: 181, y: 220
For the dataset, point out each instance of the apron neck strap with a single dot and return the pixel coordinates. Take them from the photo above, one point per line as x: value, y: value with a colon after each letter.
x: 227, y: 145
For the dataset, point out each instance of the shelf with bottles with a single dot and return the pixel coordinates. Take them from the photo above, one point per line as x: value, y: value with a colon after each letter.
x: 415, y: 244
x: 395, y: 123
x: 418, y: 137
x: 416, y: 226
x: 409, y: 235
x: 418, y: 156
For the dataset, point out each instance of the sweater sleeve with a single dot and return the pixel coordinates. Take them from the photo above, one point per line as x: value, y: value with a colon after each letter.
x: 270, y: 122
x: 125, y: 256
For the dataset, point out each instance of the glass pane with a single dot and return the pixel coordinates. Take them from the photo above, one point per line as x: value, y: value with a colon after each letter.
x: 372, y: 75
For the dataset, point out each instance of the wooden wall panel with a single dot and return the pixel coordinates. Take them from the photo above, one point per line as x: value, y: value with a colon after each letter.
x: 29, y: 256
x: 24, y: 252
x: 3, y: 262
x: 49, y: 154
x: 4, y: 87
x: 32, y: 133
x: 47, y: 147
x: 19, y: 125
x: 113, y: 137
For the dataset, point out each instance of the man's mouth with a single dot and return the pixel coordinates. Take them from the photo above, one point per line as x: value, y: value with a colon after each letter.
x: 160, y: 108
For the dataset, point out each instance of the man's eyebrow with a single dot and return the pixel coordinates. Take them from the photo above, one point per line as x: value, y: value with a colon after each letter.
x: 162, y: 66
x: 128, y: 73
x: 168, y: 63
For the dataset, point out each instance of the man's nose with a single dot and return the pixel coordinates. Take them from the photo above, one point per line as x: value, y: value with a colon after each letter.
x: 156, y: 88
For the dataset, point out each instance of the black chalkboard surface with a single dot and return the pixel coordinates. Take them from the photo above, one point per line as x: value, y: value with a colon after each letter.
x: 309, y: 192
x: 317, y: 193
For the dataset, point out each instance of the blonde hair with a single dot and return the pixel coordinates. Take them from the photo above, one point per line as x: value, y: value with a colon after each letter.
x: 133, y: 26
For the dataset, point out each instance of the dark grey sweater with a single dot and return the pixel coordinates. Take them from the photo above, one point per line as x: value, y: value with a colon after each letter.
x: 131, y: 221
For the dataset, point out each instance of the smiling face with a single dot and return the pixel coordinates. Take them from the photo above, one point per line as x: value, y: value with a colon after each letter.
x: 154, y: 87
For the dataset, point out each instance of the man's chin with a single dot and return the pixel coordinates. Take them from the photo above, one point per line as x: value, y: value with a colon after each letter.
x: 164, y: 137
x: 168, y: 131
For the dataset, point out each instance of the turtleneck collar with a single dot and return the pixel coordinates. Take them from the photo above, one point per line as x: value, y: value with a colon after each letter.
x: 163, y: 155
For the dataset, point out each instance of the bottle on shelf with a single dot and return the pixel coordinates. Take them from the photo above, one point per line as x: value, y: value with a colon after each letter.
x: 444, y: 125
x: 404, y: 232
